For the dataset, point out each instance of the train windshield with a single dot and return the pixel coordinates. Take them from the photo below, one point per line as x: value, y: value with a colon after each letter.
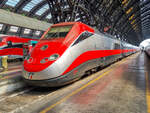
x: 57, y: 32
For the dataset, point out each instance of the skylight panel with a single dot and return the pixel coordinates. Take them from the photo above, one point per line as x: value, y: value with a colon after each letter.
x: 12, y: 3
x: 49, y: 16
x: 42, y: 10
x: 31, y: 4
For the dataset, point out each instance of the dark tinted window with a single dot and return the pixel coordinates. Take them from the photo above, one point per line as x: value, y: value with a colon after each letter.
x: 83, y: 36
x: 56, y: 35
x: 117, y: 46
x: 57, y: 32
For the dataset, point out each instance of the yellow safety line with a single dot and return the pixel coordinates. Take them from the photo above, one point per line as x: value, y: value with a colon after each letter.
x: 77, y: 90
x: 147, y: 93
x: 74, y: 92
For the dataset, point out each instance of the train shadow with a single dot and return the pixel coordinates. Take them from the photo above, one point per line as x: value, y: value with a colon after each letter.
x: 98, y: 69
x: 35, y: 90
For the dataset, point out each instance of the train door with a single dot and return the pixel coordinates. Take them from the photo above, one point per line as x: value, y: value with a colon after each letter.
x: 110, y: 48
x: 99, y: 42
x: 124, y: 47
x: 121, y: 48
x: 101, y: 45
x: 117, y: 48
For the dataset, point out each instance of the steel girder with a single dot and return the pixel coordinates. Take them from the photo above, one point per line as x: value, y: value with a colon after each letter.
x: 20, y: 5
x: 2, y: 2
x: 145, y: 18
x: 36, y: 8
x: 46, y: 13
x: 123, y: 17
x: 99, y: 13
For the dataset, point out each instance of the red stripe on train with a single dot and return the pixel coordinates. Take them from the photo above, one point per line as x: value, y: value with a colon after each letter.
x: 90, y: 55
x: 11, y: 51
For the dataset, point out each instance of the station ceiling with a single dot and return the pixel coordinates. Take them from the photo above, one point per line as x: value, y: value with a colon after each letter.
x: 128, y: 20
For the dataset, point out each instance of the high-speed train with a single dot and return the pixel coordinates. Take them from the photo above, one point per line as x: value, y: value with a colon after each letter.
x: 13, y: 45
x: 67, y: 50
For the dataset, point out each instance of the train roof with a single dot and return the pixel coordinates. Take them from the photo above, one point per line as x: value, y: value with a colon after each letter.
x: 74, y: 23
x: 65, y: 23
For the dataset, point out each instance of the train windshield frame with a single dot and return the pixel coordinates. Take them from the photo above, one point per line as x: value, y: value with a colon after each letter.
x: 57, y: 32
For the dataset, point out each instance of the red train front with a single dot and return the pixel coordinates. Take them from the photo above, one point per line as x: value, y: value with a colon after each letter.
x: 49, y: 60
x: 66, y: 51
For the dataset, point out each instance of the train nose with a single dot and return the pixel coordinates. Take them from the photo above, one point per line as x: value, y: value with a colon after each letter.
x: 45, y: 74
x: 36, y: 64
x: 51, y: 58
x: 51, y: 71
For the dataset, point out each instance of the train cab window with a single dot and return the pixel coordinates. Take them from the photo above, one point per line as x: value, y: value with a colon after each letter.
x: 83, y: 36
x: 57, y: 32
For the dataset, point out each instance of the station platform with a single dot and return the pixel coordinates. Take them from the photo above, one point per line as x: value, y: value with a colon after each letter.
x: 10, y: 78
x: 120, y: 88
x: 12, y: 69
x: 123, y: 87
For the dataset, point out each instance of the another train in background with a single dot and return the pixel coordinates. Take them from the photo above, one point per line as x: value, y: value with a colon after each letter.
x: 68, y: 50
x: 13, y: 45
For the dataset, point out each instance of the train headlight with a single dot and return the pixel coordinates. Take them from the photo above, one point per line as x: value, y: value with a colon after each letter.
x: 44, y: 60
x: 27, y: 57
x: 30, y: 60
x: 53, y: 57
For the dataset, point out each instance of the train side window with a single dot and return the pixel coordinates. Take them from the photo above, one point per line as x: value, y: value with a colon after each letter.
x: 9, y: 43
x: 116, y: 46
x: 83, y: 36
